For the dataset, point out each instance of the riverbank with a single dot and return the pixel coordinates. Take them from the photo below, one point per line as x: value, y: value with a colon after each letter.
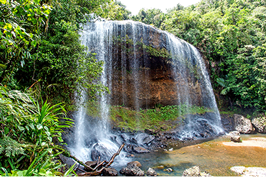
x: 212, y: 156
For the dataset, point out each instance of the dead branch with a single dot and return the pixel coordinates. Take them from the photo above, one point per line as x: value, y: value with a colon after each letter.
x: 77, y: 160
x: 104, y: 164
x: 100, y: 164
x: 115, y: 154
x: 33, y: 84
x: 80, y: 162
x: 99, y: 160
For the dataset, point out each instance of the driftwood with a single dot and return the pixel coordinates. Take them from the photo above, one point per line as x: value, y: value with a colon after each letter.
x: 96, y: 171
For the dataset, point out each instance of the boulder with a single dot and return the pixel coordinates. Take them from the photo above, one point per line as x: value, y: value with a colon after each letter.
x: 110, y: 172
x: 242, y: 124
x: 99, y: 150
x: 132, y: 169
x: 234, y: 133
x: 195, y: 171
x: 151, y: 172
x: 140, y: 150
x: 205, y: 174
x: 249, y: 171
x: 227, y: 122
x: 134, y: 163
x: 236, y: 138
x: 136, y: 171
x: 238, y: 169
x: 143, y: 138
x: 128, y: 148
x: 125, y: 137
x: 260, y: 124
x: 68, y: 161
x: 91, y: 164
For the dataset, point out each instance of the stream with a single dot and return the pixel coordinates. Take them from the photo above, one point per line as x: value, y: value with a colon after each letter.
x: 211, y: 156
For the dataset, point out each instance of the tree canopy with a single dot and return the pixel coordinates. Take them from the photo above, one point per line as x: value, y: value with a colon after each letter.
x: 231, y: 36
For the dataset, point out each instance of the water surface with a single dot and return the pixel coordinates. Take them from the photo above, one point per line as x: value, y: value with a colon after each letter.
x: 211, y: 156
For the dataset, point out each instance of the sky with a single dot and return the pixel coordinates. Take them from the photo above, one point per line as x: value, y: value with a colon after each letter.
x: 135, y: 5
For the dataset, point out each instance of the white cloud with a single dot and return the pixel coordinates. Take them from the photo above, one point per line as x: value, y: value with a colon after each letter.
x: 135, y: 5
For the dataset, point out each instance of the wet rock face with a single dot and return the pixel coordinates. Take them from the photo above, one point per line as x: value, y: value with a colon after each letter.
x: 227, y: 122
x: 198, y: 127
x: 144, y: 72
x: 157, y: 87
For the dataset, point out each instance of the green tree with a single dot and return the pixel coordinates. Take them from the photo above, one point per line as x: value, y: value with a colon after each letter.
x: 223, y: 30
x: 153, y: 17
x: 20, y: 31
x: 114, y: 11
x: 40, y: 47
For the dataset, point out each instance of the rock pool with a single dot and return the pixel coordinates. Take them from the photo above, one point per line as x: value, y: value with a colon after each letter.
x: 212, y: 156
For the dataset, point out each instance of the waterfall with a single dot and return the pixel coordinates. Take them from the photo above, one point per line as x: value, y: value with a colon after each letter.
x: 140, y: 62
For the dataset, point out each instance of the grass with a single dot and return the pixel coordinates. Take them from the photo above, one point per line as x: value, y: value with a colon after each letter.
x: 160, y: 118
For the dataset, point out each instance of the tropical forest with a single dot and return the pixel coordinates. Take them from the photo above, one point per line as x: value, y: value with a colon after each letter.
x: 89, y: 89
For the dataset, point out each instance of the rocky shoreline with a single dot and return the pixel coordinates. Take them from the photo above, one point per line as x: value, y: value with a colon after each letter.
x: 151, y: 140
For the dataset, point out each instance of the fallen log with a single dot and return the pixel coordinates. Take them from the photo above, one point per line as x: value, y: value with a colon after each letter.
x: 96, y: 171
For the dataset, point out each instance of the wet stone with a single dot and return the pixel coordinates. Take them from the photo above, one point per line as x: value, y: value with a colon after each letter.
x: 99, y: 151
x: 128, y: 148
x: 140, y: 150
x: 195, y: 171
x: 110, y: 172
x: 91, y: 164
x: 134, y: 163
x: 150, y: 131
x: 242, y: 124
x: 132, y: 170
x: 151, y: 172
x: 236, y: 139
x: 260, y: 124
x: 169, y: 170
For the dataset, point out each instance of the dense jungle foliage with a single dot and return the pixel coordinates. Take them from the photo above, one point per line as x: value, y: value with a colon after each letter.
x: 40, y: 60
x: 40, y: 54
x: 231, y: 35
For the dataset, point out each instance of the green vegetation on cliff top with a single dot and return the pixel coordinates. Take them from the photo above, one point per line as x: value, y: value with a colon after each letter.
x: 231, y: 35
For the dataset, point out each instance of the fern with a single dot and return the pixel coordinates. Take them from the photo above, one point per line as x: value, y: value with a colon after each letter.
x: 10, y: 147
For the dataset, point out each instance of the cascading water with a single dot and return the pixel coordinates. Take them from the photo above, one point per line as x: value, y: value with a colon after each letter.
x: 143, y: 66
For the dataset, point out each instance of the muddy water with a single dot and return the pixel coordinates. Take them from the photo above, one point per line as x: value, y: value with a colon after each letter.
x: 211, y: 156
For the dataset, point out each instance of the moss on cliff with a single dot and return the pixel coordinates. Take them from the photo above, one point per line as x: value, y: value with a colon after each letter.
x: 160, y: 118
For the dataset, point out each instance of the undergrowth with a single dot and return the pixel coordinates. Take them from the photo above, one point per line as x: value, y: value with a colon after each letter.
x: 160, y: 118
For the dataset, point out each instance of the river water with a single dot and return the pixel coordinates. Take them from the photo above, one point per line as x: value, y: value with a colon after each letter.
x: 211, y: 156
